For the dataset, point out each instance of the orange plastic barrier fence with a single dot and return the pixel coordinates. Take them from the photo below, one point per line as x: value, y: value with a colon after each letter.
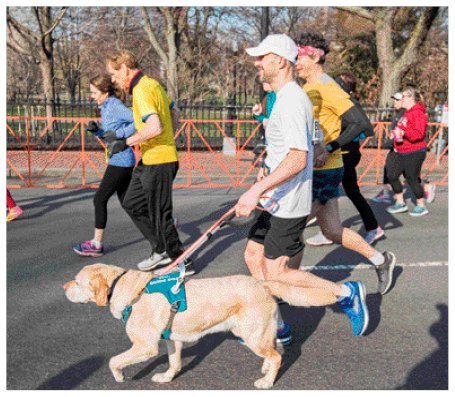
x: 232, y: 167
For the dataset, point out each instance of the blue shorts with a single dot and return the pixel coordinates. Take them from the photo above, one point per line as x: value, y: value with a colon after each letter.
x: 326, y: 184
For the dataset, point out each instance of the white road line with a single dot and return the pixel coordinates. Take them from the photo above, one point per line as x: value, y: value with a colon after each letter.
x: 362, y: 266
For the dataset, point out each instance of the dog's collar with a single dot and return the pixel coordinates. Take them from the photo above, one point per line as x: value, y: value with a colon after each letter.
x: 111, y: 290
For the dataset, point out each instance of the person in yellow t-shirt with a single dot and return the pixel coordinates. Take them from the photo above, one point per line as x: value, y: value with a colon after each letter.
x: 148, y: 200
x: 330, y: 105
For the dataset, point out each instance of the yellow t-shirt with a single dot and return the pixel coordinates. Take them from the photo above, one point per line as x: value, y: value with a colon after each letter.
x: 149, y: 98
x: 329, y: 103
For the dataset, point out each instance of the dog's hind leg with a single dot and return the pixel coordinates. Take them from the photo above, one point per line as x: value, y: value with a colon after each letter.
x: 138, y: 353
x: 174, y: 351
x: 272, y: 362
x: 261, y: 339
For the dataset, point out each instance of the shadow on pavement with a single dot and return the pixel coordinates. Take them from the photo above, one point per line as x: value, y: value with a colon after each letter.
x: 303, y: 323
x: 432, y: 373
x: 50, y: 202
x: 200, y: 350
x: 74, y: 375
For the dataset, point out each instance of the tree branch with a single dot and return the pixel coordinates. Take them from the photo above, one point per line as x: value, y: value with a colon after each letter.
x: 152, y: 37
x: 56, y: 21
x: 358, y: 11
x: 21, y: 29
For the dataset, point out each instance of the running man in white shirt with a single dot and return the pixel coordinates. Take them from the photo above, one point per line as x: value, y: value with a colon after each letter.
x: 275, y: 248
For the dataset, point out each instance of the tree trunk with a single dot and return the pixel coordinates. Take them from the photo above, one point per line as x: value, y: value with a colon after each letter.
x: 175, y: 18
x: 171, y: 67
x: 393, y: 67
x: 47, y: 66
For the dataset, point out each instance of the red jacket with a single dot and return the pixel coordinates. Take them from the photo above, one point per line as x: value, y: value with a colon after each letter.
x: 414, y: 124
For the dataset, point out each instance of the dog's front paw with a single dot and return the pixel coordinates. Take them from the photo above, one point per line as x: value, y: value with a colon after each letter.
x: 263, y: 383
x: 163, y: 377
x: 118, y: 374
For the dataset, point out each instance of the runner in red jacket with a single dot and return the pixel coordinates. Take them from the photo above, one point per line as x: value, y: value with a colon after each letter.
x: 410, y: 145
x: 414, y: 126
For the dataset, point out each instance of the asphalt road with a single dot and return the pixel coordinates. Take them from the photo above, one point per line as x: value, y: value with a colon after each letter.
x: 55, y: 344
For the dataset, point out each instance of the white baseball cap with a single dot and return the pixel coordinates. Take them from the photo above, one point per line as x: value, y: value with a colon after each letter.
x: 398, y: 96
x: 279, y: 44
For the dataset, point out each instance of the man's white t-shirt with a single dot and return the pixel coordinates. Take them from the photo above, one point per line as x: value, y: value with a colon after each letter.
x: 290, y: 125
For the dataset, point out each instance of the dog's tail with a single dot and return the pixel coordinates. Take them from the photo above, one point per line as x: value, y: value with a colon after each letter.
x: 298, y: 296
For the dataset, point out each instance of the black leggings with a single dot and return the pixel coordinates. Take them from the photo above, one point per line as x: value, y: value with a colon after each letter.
x: 410, y: 166
x: 115, y: 179
x: 351, y: 187
x: 385, y: 179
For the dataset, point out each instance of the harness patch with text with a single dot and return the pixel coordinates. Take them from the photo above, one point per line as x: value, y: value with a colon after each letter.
x: 164, y: 285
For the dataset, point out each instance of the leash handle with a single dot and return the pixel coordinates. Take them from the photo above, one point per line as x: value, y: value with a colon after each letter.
x: 230, y: 214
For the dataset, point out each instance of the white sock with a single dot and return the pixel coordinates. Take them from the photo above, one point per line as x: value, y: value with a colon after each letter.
x: 97, y: 244
x: 345, y: 292
x: 377, y: 259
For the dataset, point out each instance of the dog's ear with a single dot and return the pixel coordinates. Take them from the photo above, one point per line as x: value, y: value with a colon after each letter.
x: 100, y: 288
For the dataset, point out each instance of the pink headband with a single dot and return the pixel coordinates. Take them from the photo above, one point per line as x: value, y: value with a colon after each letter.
x: 307, y: 50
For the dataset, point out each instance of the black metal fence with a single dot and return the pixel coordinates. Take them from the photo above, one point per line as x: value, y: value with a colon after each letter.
x: 202, y: 136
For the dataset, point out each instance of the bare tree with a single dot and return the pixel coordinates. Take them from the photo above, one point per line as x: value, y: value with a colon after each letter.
x: 175, y: 19
x: 395, y: 62
x: 114, y: 29
x: 33, y: 33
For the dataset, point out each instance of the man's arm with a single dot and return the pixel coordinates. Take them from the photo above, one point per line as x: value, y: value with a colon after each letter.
x: 356, y: 124
x: 295, y: 162
x: 151, y: 130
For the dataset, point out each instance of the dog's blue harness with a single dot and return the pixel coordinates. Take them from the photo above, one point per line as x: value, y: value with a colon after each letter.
x: 173, y: 288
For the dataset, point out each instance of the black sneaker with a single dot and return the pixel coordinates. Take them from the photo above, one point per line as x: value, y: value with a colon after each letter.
x: 189, y: 268
x: 385, y: 272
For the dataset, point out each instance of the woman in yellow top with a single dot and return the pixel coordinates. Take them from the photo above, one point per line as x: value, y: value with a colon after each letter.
x: 330, y: 105
x: 148, y: 200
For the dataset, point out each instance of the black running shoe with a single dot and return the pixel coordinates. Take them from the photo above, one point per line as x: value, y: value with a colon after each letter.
x: 385, y: 272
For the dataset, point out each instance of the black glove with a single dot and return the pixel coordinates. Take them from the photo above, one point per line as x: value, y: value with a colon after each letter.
x: 92, y: 127
x: 109, y: 136
x: 388, y: 144
x: 116, y: 147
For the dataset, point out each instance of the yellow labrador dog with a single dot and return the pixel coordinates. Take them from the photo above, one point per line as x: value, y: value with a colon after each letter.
x: 240, y: 304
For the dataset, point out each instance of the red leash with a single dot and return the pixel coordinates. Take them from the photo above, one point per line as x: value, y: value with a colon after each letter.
x: 209, y: 233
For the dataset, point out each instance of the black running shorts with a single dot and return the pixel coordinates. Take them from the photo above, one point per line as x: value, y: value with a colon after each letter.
x: 280, y: 237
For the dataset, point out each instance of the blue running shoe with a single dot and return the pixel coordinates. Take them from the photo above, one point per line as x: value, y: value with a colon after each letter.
x: 283, y: 336
x: 419, y: 211
x: 397, y: 208
x: 356, y: 308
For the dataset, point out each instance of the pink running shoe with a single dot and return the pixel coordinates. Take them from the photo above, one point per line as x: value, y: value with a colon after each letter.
x: 88, y: 249
x: 13, y: 213
x: 383, y: 198
x: 374, y: 235
x: 430, y: 192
